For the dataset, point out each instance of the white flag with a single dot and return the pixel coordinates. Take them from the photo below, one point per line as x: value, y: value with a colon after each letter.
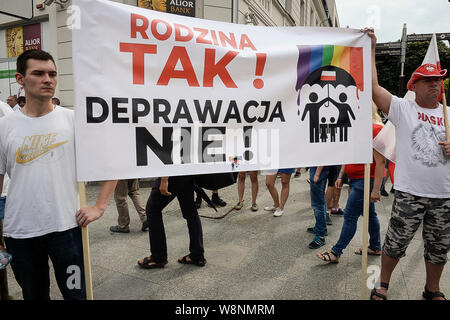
x: 384, y: 142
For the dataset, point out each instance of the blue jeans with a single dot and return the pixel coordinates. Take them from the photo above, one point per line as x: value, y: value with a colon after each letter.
x: 352, y: 211
x: 31, y: 270
x: 318, y: 202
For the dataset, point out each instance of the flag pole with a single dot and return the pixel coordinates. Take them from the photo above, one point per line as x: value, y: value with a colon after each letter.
x: 444, y: 103
x: 86, y: 249
x: 365, y: 242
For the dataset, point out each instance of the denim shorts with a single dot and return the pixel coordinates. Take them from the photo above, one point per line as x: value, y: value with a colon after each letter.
x: 2, y: 207
x: 287, y: 171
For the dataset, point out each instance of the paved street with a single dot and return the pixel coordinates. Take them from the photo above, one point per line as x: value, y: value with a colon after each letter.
x: 251, y: 255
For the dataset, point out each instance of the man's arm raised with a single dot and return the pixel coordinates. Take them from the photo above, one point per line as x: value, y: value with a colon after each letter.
x: 380, y: 95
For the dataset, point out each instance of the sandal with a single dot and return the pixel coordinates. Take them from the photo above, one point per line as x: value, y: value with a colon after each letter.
x: 327, y: 258
x: 150, y: 263
x: 370, y: 252
x: 428, y: 295
x: 379, y: 295
x: 184, y: 260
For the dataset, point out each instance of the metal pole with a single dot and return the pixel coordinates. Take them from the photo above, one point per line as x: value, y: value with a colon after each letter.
x: 401, y: 87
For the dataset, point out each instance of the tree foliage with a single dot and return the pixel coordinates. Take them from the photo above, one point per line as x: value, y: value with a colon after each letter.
x: 388, y: 67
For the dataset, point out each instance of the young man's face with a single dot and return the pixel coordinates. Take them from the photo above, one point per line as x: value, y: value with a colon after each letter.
x: 40, y: 79
x: 428, y: 87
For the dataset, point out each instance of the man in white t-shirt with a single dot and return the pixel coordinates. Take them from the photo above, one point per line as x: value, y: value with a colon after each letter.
x: 422, y: 176
x: 4, y: 256
x: 42, y: 219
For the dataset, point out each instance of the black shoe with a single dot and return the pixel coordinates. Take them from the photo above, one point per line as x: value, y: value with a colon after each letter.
x: 217, y: 201
x: 337, y: 212
x: 144, y: 225
x: 198, y: 203
x: 119, y: 229
x: 384, y: 193
x: 392, y: 190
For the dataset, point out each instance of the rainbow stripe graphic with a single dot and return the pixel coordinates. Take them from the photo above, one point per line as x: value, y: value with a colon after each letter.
x: 348, y: 58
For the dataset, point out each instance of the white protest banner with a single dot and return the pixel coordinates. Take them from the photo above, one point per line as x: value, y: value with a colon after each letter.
x: 158, y: 94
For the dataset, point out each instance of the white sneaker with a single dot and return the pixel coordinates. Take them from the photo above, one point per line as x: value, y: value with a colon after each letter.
x: 270, y: 208
x: 278, y: 213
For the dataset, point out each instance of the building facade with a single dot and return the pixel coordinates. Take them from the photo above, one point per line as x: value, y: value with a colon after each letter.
x: 49, y: 29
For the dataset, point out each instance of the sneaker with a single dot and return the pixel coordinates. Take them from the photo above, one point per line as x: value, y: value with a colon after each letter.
x: 119, y: 229
x: 216, y: 200
x: 337, y: 212
x: 270, y: 208
x: 329, y: 222
x: 278, y: 213
x: 239, y: 205
x: 254, y: 207
x: 392, y: 190
x: 198, y: 203
x: 317, y: 242
x: 144, y: 226
x: 384, y: 193
x: 297, y: 174
x: 5, y: 259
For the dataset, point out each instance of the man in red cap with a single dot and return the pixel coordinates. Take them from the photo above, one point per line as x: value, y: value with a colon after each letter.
x: 422, y: 179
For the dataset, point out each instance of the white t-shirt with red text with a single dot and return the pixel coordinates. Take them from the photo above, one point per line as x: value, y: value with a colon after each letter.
x: 421, y: 167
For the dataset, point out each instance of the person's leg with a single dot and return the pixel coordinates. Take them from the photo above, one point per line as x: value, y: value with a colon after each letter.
x: 374, y: 228
x: 135, y: 195
x: 157, y: 235
x: 407, y: 215
x: 433, y: 277
x: 186, y: 201
x: 336, y: 197
x: 255, y: 185
x: 66, y: 253
x: 436, y: 236
x: 352, y: 211
x: 318, y: 203
x: 241, y: 186
x: 4, y: 292
x: 30, y: 267
x: 216, y: 199
x: 120, y: 197
x: 270, y: 184
x: 329, y: 193
x: 285, y: 185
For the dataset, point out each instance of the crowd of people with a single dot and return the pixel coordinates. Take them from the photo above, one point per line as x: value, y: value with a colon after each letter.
x: 48, y: 224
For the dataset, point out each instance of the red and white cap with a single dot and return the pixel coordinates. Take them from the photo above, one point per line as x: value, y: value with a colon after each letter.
x: 426, y: 70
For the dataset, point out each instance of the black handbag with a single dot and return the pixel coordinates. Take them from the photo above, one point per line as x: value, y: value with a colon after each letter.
x: 215, y: 181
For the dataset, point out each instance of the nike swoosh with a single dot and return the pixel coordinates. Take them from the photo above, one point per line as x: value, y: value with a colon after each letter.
x: 24, y: 158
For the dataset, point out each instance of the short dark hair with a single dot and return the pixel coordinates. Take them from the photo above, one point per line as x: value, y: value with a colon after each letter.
x: 21, y: 65
x: 21, y: 99
x: 56, y: 101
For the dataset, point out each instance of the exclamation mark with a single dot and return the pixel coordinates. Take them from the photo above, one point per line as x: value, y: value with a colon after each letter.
x: 260, y: 63
x: 248, y: 155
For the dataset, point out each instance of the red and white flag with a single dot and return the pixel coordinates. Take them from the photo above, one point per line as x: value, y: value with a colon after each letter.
x: 328, y: 76
x: 384, y: 142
